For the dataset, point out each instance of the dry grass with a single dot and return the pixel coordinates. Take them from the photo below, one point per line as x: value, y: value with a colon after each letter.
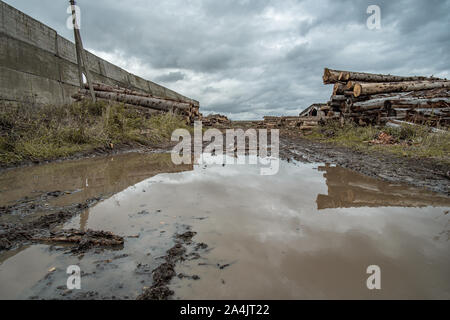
x: 410, y: 141
x: 48, y: 132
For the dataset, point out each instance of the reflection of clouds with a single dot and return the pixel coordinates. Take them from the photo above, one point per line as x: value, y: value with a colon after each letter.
x: 272, y: 227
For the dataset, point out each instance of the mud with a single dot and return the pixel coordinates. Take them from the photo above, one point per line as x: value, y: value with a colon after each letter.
x: 42, y: 228
x: 83, y: 241
x: 213, y: 231
x: 424, y: 173
x: 164, y: 273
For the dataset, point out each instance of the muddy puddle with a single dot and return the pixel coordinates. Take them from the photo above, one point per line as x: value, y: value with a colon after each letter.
x: 308, y: 232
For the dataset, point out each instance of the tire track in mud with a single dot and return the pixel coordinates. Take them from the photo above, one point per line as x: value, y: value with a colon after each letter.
x: 165, y: 272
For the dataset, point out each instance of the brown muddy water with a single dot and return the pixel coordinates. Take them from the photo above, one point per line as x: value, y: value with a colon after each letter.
x: 308, y: 232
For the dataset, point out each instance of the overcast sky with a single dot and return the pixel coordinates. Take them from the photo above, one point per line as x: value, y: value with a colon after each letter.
x: 249, y: 58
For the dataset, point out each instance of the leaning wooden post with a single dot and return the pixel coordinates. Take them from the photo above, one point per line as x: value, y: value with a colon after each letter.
x: 79, y: 62
x: 81, y: 53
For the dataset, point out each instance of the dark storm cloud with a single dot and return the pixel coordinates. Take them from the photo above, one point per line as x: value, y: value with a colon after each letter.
x: 248, y: 58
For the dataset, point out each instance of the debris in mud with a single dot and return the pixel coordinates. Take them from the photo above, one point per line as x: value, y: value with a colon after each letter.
x: 201, y: 245
x: 186, y: 237
x: 84, y: 240
x: 203, y: 218
x: 163, y: 274
x: 221, y: 267
x: 156, y: 293
x: 28, y: 205
x: 14, y: 234
x: 120, y: 256
x: 193, y: 277
x: 161, y: 278
x: 193, y: 256
x: 143, y: 269
x: 383, y: 138
x: 176, y: 253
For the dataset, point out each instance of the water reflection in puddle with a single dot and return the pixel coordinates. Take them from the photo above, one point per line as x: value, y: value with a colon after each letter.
x: 309, y: 231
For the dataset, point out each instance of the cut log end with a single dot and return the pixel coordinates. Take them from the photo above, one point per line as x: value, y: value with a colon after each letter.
x: 326, y: 75
x: 357, y: 90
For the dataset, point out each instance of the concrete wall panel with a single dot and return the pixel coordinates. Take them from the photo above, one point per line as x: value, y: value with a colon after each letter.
x: 46, y: 91
x: 15, y: 85
x: 66, y: 49
x: 2, y: 28
x: 23, y: 27
x: 21, y: 56
x: 40, y: 66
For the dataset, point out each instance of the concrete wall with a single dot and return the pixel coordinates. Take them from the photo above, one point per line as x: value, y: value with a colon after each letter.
x: 39, y: 66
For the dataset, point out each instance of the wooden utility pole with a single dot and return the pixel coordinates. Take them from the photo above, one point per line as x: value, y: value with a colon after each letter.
x: 81, y: 53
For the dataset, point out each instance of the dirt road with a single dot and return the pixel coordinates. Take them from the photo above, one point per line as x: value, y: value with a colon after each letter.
x: 424, y: 173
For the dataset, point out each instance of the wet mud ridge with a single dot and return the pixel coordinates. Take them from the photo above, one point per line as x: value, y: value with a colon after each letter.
x: 34, y: 228
x: 83, y: 241
x: 425, y: 173
x: 164, y: 273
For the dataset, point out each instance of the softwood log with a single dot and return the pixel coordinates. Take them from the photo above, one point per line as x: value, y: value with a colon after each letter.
x: 338, y: 88
x: 376, y: 97
x: 371, y: 77
x: 330, y: 76
x: 370, y: 104
x: 420, y: 102
x: 79, y: 97
x: 154, y: 103
x: 388, y: 87
x: 350, y: 85
x: 338, y: 98
x: 116, y: 89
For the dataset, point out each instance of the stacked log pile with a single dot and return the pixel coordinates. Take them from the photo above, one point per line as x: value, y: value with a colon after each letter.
x: 292, y: 122
x: 216, y: 120
x: 141, y: 100
x: 377, y: 98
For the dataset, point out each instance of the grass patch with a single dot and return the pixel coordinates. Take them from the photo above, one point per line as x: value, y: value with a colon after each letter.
x: 410, y: 141
x: 48, y: 132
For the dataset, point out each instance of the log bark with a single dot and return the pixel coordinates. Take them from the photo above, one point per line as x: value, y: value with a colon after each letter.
x: 370, y: 104
x: 377, y: 97
x: 350, y: 85
x: 388, y: 87
x: 330, y: 76
x: 338, y: 88
x: 371, y: 77
x: 338, y: 98
x: 108, y: 88
x: 420, y: 102
x: 154, y: 103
